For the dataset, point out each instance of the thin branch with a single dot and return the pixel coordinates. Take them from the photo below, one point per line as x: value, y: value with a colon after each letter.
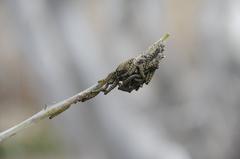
x: 50, y: 112
x: 126, y: 82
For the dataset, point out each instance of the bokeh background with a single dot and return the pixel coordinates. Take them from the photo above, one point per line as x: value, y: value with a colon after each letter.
x: 53, y: 49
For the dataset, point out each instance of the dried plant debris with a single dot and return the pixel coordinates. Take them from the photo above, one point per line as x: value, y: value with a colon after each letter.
x: 130, y: 75
x: 135, y: 72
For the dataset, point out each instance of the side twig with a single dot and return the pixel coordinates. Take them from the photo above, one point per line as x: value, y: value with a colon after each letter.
x: 129, y: 75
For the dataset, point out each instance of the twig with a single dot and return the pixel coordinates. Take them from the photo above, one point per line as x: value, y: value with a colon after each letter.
x: 49, y: 112
x: 54, y: 110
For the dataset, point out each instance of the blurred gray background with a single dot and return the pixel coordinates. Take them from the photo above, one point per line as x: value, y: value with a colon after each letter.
x: 53, y: 49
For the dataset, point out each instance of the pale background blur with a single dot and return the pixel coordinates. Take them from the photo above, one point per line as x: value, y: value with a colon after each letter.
x: 53, y: 49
